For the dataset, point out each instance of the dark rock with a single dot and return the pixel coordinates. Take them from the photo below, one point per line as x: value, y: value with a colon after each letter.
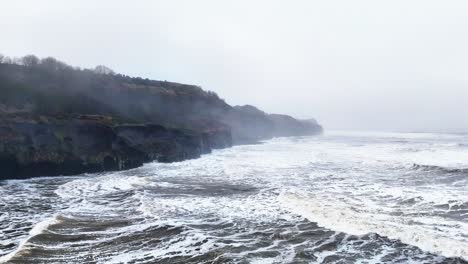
x: 216, y: 139
x: 65, y: 121
x: 160, y: 143
x: 48, y: 147
x: 61, y: 147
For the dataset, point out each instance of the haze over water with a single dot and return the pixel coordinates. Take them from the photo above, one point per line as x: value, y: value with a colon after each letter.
x: 364, y: 197
x: 363, y: 64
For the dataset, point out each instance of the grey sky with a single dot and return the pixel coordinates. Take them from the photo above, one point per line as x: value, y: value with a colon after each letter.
x: 393, y: 65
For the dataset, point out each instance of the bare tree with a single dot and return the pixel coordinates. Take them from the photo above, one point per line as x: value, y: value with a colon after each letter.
x: 7, y: 60
x: 101, y: 69
x: 52, y: 64
x: 17, y: 61
x: 48, y: 62
x: 1, y: 58
x: 30, y: 60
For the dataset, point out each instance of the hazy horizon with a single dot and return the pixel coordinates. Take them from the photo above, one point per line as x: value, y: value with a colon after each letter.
x: 361, y: 65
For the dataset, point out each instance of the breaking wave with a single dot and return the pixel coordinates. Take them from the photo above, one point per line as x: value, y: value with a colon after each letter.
x: 346, y: 197
x: 433, y: 234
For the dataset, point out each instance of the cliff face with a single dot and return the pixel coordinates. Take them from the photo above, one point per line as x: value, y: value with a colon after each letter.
x: 51, y: 147
x: 37, y: 147
x: 250, y: 124
x: 73, y: 92
x: 285, y: 126
x: 58, y: 120
x: 169, y: 145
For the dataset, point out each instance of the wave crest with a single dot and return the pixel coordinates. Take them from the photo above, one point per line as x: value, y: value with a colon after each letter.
x: 338, y: 216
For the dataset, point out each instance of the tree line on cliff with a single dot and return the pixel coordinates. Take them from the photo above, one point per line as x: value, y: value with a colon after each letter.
x: 34, y: 86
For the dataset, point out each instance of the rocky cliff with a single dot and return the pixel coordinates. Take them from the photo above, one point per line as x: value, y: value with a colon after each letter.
x: 49, y: 146
x: 60, y: 120
x: 250, y: 124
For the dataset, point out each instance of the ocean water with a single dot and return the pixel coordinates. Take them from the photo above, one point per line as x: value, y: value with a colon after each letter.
x: 344, y: 197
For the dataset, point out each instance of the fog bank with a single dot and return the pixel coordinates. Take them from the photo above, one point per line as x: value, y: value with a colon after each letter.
x: 398, y: 65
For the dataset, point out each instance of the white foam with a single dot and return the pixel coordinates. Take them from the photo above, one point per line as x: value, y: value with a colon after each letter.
x: 172, y: 247
x: 39, y: 228
x: 350, y: 182
x: 99, y: 185
x: 338, y: 216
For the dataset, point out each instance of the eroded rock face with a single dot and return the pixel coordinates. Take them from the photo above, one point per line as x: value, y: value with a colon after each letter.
x: 216, y: 139
x: 160, y: 143
x: 49, y: 147
x: 63, y: 121
x: 250, y: 125
x: 285, y: 126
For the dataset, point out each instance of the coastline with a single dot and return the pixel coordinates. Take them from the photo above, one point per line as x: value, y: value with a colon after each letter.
x: 36, y: 148
x: 56, y: 119
x: 45, y: 146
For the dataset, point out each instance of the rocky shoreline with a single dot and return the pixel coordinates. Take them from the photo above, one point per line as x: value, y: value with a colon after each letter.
x: 56, y: 119
x: 51, y: 147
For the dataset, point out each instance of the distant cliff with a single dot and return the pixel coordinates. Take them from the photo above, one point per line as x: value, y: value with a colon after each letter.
x: 56, y: 119
x: 250, y: 124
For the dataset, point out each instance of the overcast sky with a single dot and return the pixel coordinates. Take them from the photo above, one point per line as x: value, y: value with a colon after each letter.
x: 378, y: 65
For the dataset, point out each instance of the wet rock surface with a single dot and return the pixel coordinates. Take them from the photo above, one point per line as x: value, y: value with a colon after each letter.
x: 42, y: 146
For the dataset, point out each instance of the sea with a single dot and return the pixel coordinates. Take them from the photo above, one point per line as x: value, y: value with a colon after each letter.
x: 342, y: 197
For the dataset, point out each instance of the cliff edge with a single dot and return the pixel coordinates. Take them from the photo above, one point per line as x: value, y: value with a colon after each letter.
x: 61, y: 120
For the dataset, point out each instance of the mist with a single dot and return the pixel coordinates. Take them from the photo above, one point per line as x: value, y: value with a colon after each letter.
x: 362, y: 65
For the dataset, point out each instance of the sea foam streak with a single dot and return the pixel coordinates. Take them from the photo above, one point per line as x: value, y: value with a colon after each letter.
x: 36, y: 230
x: 353, y: 197
x: 451, y: 241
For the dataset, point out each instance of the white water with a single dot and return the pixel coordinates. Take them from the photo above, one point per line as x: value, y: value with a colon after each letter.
x: 249, y: 202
